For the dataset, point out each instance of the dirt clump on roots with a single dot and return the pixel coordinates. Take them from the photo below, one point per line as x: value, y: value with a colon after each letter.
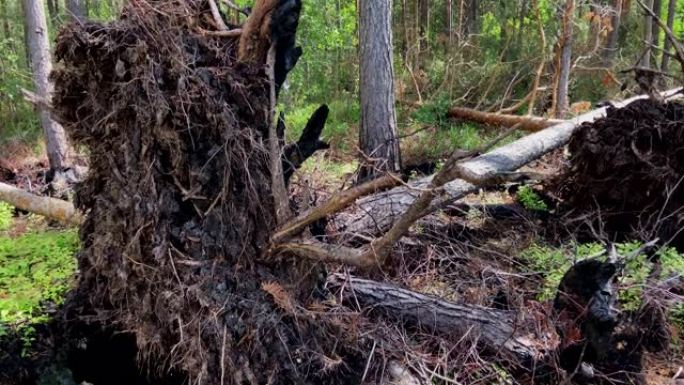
x: 626, y: 169
x: 178, y: 200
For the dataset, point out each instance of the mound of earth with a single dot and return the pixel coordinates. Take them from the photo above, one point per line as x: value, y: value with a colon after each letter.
x: 627, y: 169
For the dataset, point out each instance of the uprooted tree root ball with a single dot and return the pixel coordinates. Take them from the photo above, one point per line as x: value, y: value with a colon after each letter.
x: 179, y: 202
x: 628, y: 168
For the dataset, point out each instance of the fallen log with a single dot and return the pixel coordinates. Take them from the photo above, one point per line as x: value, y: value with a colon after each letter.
x: 524, y: 341
x: 51, y: 208
x: 376, y: 213
x: 527, y: 123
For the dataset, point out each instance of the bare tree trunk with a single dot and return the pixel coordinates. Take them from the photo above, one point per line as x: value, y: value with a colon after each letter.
x: 564, y: 61
x: 613, y: 36
x: 450, y: 21
x: 424, y: 24
x: 41, y: 65
x: 655, y: 28
x: 671, y: 11
x: 471, y: 24
x: 53, y: 11
x: 378, y: 137
x: 648, y: 36
x: 76, y: 10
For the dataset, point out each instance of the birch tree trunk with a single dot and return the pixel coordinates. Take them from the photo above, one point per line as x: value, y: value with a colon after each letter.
x: 564, y: 61
x: 378, y: 137
x: 41, y: 65
x: 671, y: 11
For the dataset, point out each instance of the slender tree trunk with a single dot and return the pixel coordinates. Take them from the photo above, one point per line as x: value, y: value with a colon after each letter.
x: 424, y: 24
x: 613, y: 36
x: 41, y: 66
x: 671, y: 11
x: 378, y: 136
x: 655, y: 33
x: 564, y: 61
x: 648, y: 36
x: 461, y: 17
x: 27, y: 53
x: 53, y: 11
x: 76, y: 10
x: 472, y: 22
x: 6, y: 29
x: 449, y: 21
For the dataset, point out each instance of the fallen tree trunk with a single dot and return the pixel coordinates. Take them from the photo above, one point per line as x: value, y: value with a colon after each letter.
x: 376, y: 213
x: 527, y: 123
x: 522, y: 340
x: 51, y: 208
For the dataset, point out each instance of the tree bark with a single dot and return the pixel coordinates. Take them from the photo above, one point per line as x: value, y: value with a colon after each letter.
x: 499, y: 331
x: 564, y: 61
x: 424, y: 24
x: 472, y: 22
x: 655, y: 32
x: 671, y: 11
x: 378, y: 136
x: 613, y: 36
x: 41, y: 65
x: 449, y: 21
x: 53, y: 11
x: 76, y: 10
x: 648, y: 36
x: 52, y: 208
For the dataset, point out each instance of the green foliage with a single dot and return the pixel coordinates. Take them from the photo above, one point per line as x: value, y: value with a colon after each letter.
x: 530, y: 200
x: 35, y: 269
x: 5, y: 216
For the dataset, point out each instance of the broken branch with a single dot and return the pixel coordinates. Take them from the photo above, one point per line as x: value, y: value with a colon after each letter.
x: 527, y: 123
x: 52, y: 208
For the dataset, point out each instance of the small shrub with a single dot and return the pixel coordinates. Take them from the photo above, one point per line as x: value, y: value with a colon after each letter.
x: 530, y: 200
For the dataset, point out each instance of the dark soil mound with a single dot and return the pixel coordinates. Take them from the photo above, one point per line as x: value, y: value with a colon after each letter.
x: 178, y: 199
x: 628, y: 168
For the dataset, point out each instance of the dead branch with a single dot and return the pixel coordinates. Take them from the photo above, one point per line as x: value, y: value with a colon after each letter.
x: 499, y: 331
x: 336, y: 203
x: 217, y: 16
x: 225, y: 33
x: 527, y: 123
x: 255, y: 40
x: 52, y: 208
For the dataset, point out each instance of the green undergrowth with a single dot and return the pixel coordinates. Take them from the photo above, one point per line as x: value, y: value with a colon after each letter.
x: 530, y: 200
x: 552, y: 263
x: 36, y: 270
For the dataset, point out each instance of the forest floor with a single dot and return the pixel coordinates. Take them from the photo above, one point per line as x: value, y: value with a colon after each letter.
x: 501, y: 250
x: 506, y: 247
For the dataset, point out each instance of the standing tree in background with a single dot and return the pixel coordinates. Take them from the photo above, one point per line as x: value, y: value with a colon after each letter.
x: 41, y: 65
x: 612, y: 45
x: 648, y: 36
x: 76, y: 10
x: 671, y: 11
x: 563, y: 62
x: 378, y: 136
